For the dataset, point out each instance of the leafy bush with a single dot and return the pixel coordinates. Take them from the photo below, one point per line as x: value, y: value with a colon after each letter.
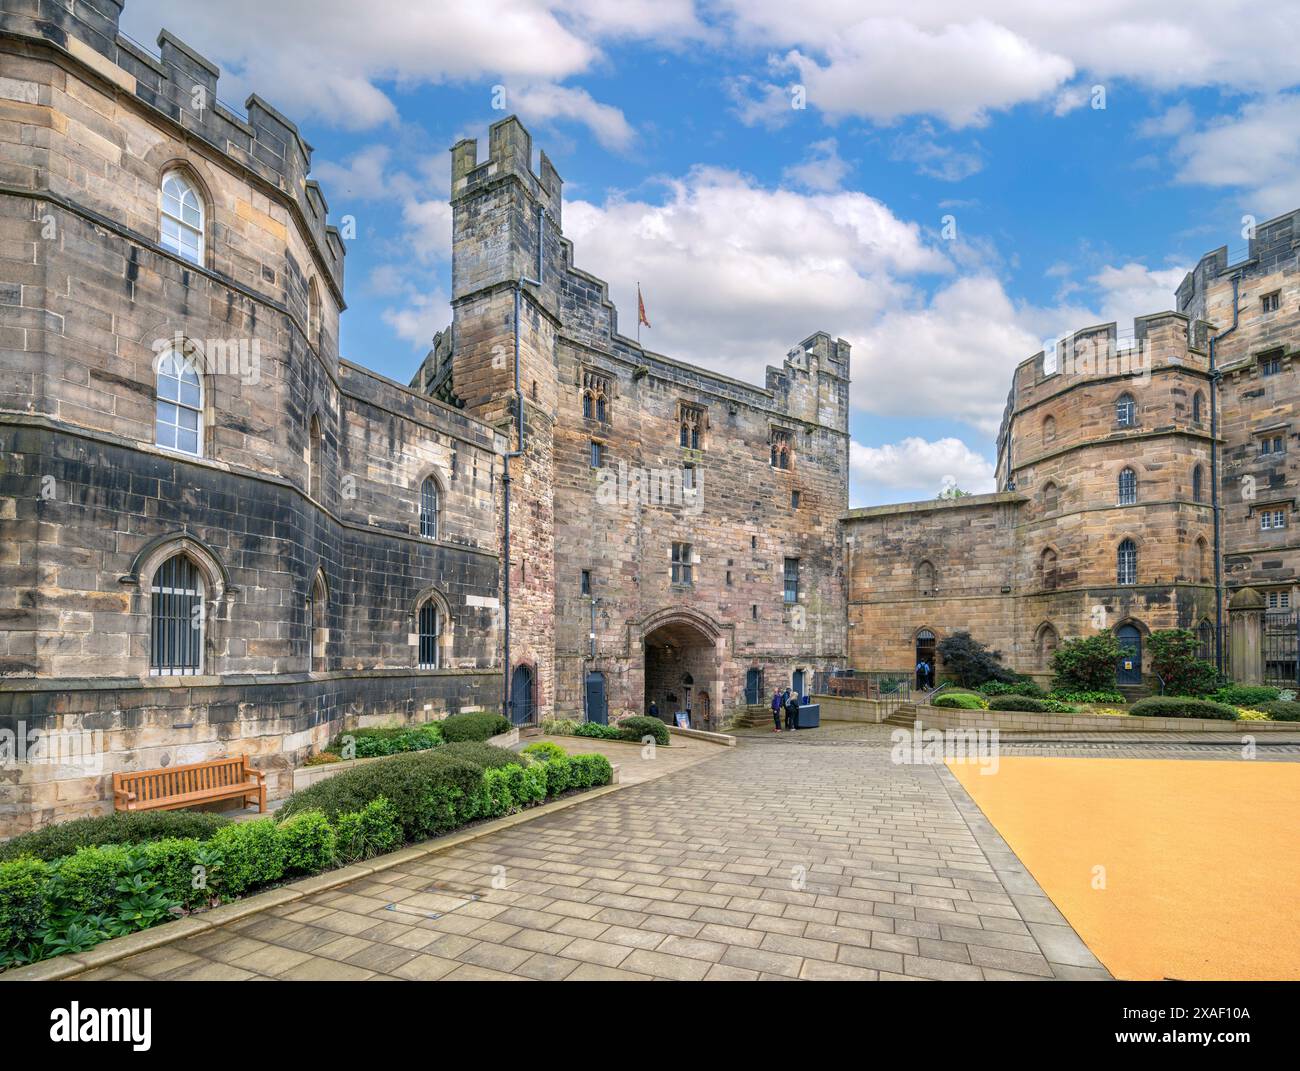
x: 23, y: 906
x: 559, y: 775
x: 1182, y: 706
x: 1025, y: 687
x: 1086, y: 664
x: 638, y: 727
x: 591, y: 770
x: 250, y: 854
x: 527, y: 784
x: 559, y: 726
x: 171, y: 862
x: 1281, y: 710
x: 389, y: 740
x: 1174, y: 661
x: 484, y: 756
x: 476, y: 725
x: 499, y: 799
x: 961, y: 701
x: 1018, y: 702
x: 371, y: 831
x: 120, y: 827
x: 322, y: 758
x: 1245, y: 714
x: 594, y: 730
x: 544, y: 750
x: 1246, y: 695
x: 309, y: 843
x: 1087, y: 697
x: 970, y: 662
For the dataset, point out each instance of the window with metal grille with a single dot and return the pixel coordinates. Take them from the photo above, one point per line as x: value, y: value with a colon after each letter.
x: 176, y: 622
x: 430, y: 634
x: 178, y: 416
x: 1272, y: 444
x: 429, y: 508
x: 1126, y: 562
x: 683, y: 571
x: 180, y: 220
x: 1279, y: 600
x: 791, y: 573
x: 1128, y: 487
x: 1125, y: 411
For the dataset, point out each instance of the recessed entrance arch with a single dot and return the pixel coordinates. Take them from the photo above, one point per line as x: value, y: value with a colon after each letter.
x: 522, y: 705
x: 682, y: 665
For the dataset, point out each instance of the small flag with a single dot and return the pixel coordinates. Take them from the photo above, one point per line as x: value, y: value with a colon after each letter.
x: 640, y: 308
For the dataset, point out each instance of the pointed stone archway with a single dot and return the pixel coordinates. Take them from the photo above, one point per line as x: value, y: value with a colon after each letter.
x: 683, y: 665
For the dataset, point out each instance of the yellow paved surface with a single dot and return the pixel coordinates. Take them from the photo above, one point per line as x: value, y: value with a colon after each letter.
x: 1201, y: 859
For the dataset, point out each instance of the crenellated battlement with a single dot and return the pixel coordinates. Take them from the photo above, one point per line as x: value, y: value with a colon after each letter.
x: 510, y: 155
x: 182, y: 85
x: 1272, y: 246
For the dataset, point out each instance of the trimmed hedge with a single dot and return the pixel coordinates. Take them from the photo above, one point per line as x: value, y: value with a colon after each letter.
x: 1019, y: 702
x: 477, y: 725
x: 1281, y: 710
x: 120, y: 827
x: 1028, y: 688
x: 1089, y: 697
x: 389, y: 740
x: 637, y: 726
x: 961, y: 701
x: 1246, y: 695
x: 484, y: 756
x: 1182, y: 706
x: 595, y: 731
x: 544, y: 750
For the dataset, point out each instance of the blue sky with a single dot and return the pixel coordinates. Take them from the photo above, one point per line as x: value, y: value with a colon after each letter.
x: 1086, y: 153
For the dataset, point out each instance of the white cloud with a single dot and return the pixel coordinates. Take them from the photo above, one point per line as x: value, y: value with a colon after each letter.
x: 930, y: 157
x: 420, y: 317
x: 919, y: 466
x: 546, y: 103
x: 823, y: 169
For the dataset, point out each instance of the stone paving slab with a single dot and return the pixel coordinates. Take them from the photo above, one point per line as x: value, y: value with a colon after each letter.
x: 769, y: 860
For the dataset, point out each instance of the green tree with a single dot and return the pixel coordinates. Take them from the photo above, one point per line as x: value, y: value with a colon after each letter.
x: 1175, y: 661
x: 970, y: 661
x: 1086, y: 664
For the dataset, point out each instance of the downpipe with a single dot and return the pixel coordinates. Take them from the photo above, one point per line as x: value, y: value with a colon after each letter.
x: 1215, y: 504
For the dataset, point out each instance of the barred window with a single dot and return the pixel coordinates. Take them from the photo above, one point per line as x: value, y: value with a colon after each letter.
x: 683, y: 570
x: 176, y: 624
x: 429, y: 508
x: 1128, y: 488
x: 1198, y: 478
x: 1125, y: 411
x: 1126, y: 562
x: 178, y: 416
x: 180, y: 217
x: 791, y: 573
x: 430, y: 635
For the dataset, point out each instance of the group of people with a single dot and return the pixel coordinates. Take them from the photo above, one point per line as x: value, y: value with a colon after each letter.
x: 787, y: 702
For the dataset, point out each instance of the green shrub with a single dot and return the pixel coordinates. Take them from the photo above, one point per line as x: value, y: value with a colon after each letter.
x: 594, y: 730
x: 960, y: 701
x: 1174, y: 661
x: 1182, y: 706
x: 309, y: 843
x: 250, y: 853
x: 171, y: 864
x: 484, y: 756
x: 528, y: 784
x: 637, y: 727
x: 1018, y: 702
x: 431, y: 791
x: 1246, y: 695
x: 970, y: 662
x: 24, y: 908
x: 1088, y: 697
x: 591, y: 770
x: 371, y: 831
x: 120, y: 827
x: 559, y: 775
x: 544, y: 750
x: 388, y: 740
x: 1026, y: 687
x: 1280, y: 710
x: 499, y: 799
x: 559, y: 726
x: 1086, y: 664
x: 86, y: 881
x: 477, y: 725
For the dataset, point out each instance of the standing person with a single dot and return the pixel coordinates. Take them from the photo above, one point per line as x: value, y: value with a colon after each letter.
x: 778, y: 703
x: 791, y: 711
x: 920, y: 674
x: 654, y: 709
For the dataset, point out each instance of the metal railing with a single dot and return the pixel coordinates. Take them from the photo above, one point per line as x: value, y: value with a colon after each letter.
x: 890, y: 687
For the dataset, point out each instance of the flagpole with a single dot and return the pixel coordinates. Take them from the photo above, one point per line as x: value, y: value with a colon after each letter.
x: 638, y: 313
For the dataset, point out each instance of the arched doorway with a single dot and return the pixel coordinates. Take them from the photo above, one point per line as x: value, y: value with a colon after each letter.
x: 597, y: 708
x: 703, y: 708
x: 522, y: 706
x: 1129, y: 668
x: 753, y: 686
x: 681, y: 662
x: 925, y: 652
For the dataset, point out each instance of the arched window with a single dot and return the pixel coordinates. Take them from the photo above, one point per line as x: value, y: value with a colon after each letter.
x: 1125, y: 411
x: 1197, y: 478
x: 1203, y: 563
x: 430, y: 619
x: 595, y: 396
x: 429, y: 504
x: 1126, y: 562
x: 1197, y: 403
x: 1128, y: 487
x: 926, y: 579
x: 180, y: 217
x: 1045, y: 643
x: 314, y: 458
x: 1205, y: 640
x: 1051, y: 497
x: 318, y: 623
x: 1047, y: 569
x: 1049, y: 429
x: 176, y: 618
x: 178, y: 413
x: 313, y: 313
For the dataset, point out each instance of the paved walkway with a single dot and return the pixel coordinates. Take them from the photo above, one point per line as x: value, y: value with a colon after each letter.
x: 770, y: 860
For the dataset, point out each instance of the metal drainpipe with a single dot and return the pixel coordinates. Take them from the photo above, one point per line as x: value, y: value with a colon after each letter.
x: 1214, y: 475
x: 505, y: 475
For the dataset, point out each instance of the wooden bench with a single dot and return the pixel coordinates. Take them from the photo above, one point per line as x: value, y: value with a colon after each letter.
x: 174, y: 787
